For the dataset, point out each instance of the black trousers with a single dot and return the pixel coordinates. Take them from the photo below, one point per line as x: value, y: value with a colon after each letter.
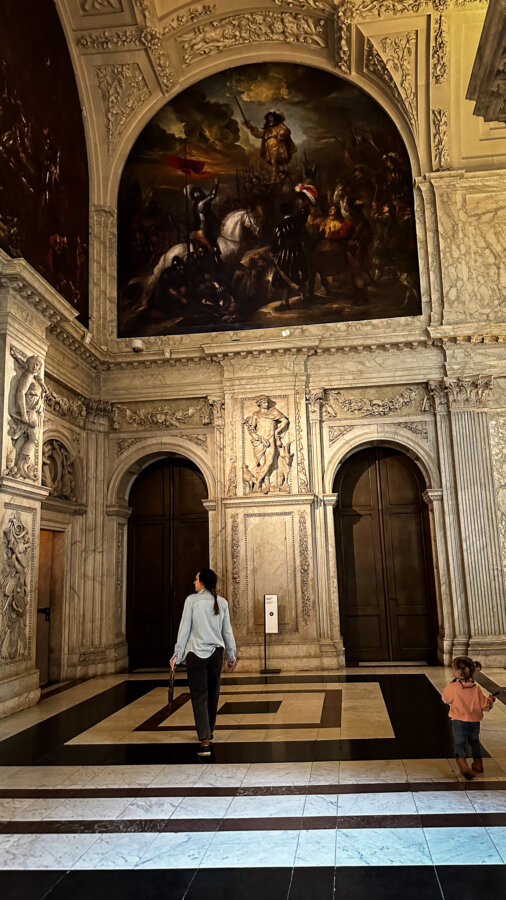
x: 204, y: 683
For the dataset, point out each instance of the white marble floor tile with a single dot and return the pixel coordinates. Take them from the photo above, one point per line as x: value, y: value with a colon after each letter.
x: 429, y: 770
x: 126, y: 776
x: 324, y: 773
x: 11, y: 806
x: 316, y: 847
x: 179, y: 776
x: 202, y: 808
x: 440, y: 802
x: 88, y: 808
x: 381, y: 847
x: 266, y: 807
x: 291, y: 734
x: 150, y: 808
x: 82, y: 776
x: 488, y: 801
x: 116, y: 851
x: 236, y: 849
x: 40, y: 776
x: 177, y: 850
x: 461, y: 846
x: 246, y: 736
x: 497, y: 834
x: 5, y: 774
x: 37, y: 809
x: 221, y: 775
x: 370, y: 771
x: 320, y: 805
x: 277, y: 773
x: 395, y: 803
x: 43, y: 851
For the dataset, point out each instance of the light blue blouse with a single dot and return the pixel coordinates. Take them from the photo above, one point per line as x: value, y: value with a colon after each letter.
x: 201, y: 631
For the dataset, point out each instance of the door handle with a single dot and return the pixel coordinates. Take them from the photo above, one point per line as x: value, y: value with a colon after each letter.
x: 45, y: 611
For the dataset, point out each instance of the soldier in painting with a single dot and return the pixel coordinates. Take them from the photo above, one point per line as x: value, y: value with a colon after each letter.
x: 277, y: 147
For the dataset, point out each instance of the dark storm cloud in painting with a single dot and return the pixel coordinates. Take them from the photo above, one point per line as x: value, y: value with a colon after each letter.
x: 270, y: 194
x: 43, y: 164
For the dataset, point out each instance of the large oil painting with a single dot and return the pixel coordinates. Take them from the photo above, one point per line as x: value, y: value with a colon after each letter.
x: 270, y: 194
x: 43, y: 161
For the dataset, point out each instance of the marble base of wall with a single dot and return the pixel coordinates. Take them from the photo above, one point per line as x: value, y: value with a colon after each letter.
x: 491, y: 651
x: 311, y: 657
x: 19, y: 692
x: 93, y: 661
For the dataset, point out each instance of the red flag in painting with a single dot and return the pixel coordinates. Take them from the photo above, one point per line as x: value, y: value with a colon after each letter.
x: 192, y: 167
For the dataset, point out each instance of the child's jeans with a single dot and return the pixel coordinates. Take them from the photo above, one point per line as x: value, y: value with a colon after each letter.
x: 466, y: 733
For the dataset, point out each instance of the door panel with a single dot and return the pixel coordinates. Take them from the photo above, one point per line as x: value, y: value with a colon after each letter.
x: 168, y: 539
x: 386, y: 593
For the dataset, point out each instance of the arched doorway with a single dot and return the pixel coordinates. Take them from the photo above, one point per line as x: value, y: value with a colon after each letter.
x: 385, y: 569
x: 168, y: 540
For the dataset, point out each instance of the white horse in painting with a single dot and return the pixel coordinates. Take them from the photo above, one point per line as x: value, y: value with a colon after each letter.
x: 232, y: 242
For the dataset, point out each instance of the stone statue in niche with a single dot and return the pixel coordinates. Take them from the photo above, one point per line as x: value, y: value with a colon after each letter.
x: 14, y: 588
x: 273, y: 459
x: 26, y: 417
x: 58, y: 470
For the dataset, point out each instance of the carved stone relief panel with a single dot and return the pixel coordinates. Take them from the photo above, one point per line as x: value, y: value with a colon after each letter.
x: 173, y: 414
x: 26, y: 413
x: 16, y: 594
x: 267, y: 447
x: 397, y: 54
x: 58, y: 470
x: 119, y: 578
x: 384, y: 402
x: 248, y: 28
x: 271, y: 568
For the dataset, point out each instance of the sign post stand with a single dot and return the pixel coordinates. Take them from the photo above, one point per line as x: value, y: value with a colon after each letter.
x: 270, y: 627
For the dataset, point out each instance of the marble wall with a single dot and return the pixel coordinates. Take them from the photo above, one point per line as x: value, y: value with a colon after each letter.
x: 267, y: 415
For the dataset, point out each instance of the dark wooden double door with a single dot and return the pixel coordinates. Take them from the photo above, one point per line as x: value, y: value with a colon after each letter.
x: 168, y: 542
x: 385, y: 571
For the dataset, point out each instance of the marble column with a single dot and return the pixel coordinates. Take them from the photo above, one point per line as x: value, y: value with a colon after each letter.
x: 457, y: 626
x: 434, y: 500
x: 467, y: 399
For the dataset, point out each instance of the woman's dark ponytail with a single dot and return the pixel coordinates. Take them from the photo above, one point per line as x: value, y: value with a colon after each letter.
x: 209, y: 579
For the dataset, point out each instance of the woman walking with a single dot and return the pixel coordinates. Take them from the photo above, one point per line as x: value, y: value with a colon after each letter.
x: 204, y: 632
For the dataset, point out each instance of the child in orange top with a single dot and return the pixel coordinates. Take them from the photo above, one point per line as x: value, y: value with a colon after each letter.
x: 467, y: 702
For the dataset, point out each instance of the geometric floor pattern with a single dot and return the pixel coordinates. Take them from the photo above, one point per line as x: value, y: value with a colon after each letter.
x: 340, y: 786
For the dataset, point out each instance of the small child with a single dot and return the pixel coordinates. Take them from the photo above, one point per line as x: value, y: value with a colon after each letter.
x: 467, y: 702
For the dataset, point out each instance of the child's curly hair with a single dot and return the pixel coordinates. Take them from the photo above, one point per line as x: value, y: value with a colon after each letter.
x: 466, y: 665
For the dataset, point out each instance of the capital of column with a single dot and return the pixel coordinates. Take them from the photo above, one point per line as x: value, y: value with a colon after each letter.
x: 461, y: 393
x: 315, y: 400
x: 432, y: 495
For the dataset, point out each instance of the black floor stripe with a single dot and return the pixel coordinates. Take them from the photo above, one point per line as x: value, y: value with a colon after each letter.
x: 269, y: 823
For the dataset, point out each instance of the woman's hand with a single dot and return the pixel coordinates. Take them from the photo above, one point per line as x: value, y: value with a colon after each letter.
x: 173, y: 662
x: 231, y: 663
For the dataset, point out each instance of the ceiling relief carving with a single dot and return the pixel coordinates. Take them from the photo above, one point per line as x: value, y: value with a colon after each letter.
x: 147, y: 36
x: 123, y: 89
x: 440, y: 151
x: 398, y: 53
x: 98, y: 7
x: 375, y: 65
x: 248, y: 28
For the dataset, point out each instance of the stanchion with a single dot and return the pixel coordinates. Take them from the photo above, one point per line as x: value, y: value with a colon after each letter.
x: 270, y: 627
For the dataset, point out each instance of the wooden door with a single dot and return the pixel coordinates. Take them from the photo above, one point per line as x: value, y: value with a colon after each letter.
x: 384, y: 560
x: 168, y: 541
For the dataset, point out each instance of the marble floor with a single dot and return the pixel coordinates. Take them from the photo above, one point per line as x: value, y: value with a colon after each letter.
x: 339, y: 786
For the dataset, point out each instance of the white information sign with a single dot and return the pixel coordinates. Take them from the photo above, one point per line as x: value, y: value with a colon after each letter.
x: 271, y: 613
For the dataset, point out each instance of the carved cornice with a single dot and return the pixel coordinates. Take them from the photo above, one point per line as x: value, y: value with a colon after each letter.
x: 99, y: 7
x: 18, y: 276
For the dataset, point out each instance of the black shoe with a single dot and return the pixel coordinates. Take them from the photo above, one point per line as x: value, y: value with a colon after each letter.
x: 205, y: 748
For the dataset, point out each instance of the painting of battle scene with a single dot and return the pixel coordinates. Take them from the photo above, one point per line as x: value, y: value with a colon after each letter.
x: 43, y: 162
x: 269, y: 194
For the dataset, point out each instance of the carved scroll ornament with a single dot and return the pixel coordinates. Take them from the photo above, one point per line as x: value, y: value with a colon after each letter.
x: 16, y: 545
x: 365, y: 407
